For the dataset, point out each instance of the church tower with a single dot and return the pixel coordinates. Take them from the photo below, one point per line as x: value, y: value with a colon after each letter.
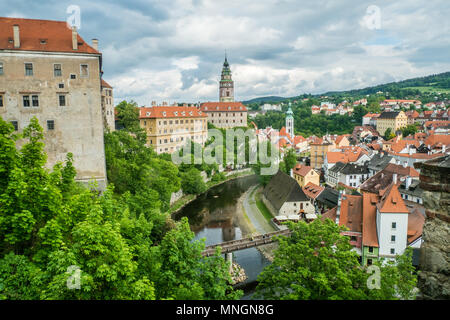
x: 226, y: 88
x: 290, y: 121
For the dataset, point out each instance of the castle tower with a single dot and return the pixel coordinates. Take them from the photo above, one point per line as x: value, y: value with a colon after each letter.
x: 290, y: 121
x: 226, y: 88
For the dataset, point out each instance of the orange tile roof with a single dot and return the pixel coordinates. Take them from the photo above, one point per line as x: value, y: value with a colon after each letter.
x: 351, y: 212
x: 312, y: 190
x: 369, y: 227
x: 402, y: 144
x: 416, y: 220
x: 105, y: 84
x: 391, y: 201
x: 170, y: 112
x: 437, y: 139
x: 223, y: 106
x: 346, y: 156
x: 302, y: 170
x: 31, y: 31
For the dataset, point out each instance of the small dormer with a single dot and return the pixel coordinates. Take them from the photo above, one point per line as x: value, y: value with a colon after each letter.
x: 148, y: 114
x: 164, y: 113
x: 176, y: 113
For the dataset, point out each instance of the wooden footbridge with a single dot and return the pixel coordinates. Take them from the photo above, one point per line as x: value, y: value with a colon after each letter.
x: 235, y: 245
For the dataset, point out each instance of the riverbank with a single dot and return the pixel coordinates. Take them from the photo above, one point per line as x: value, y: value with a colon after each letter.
x: 188, y: 198
x: 253, y: 221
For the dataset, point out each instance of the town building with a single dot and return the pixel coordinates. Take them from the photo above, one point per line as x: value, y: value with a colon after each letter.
x: 305, y: 174
x: 391, y: 120
x: 49, y: 72
x: 284, y: 197
x: 347, y: 175
x: 169, y: 127
x: 108, y: 106
x: 319, y: 148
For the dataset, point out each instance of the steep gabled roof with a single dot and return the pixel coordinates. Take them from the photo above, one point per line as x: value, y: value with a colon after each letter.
x: 312, y: 191
x: 41, y: 35
x: 282, y: 188
x: 369, y: 227
x: 392, y: 202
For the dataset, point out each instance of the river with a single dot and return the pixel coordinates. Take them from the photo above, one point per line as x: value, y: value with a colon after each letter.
x: 213, y: 216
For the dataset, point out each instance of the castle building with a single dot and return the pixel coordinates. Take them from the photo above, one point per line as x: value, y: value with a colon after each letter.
x: 108, y: 106
x: 169, y: 127
x: 49, y: 72
x: 226, y: 113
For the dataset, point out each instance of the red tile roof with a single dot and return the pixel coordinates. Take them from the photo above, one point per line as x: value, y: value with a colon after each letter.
x: 57, y: 35
x: 302, y: 170
x: 416, y: 220
x: 392, y: 202
x: 223, y: 106
x: 369, y: 227
x: 105, y: 84
x: 170, y: 112
x: 312, y: 190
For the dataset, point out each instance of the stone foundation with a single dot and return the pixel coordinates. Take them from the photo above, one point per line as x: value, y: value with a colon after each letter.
x: 434, y: 263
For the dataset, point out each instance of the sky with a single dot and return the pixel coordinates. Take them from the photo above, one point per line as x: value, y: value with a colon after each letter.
x: 173, y: 51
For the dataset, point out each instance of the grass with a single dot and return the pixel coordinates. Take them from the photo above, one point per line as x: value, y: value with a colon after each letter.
x: 262, y: 208
x: 181, y: 202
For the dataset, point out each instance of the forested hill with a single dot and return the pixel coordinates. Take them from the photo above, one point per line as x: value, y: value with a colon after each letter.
x: 435, y: 82
x: 269, y: 99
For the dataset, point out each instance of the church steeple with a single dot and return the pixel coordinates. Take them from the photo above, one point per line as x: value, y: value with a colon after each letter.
x: 290, y: 121
x: 226, y: 89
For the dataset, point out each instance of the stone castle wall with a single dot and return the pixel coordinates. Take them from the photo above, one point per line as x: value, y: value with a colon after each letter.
x: 434, y: 264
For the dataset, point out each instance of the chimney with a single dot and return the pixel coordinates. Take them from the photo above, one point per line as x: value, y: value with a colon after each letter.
x: 153, y: 103
x: 16, y: 36
x: 408, y: 182
x: 74, y: 38
x: 394, y: 178
x: 95, y: 44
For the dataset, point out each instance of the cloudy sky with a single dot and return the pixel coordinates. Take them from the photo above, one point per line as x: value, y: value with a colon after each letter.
x: 174, y: 50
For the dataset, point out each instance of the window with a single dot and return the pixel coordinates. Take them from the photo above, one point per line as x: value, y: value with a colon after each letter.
x: 15, y: 124
x: 35, y: 100
x: 62, y: 100
x: 1, y: 68
x: 394, y: 225
x: 61, y: 86
x: 50, y: 124
x: 28, y: 69
x: 369, y: 262
x: 392, y: 251
x: 392, y: 238
x: 84, y: 71
x: 370, y: 249
x: 26, y: 101
x: 1, y: 100
x: 57, y: 70
x: 73, y: 76
x: 352, y: 238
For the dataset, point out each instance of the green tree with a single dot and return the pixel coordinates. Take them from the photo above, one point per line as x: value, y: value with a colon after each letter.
x: 315, y: 262
x: 388, y: 134
x: 290, y: 160
x: 192, y: 182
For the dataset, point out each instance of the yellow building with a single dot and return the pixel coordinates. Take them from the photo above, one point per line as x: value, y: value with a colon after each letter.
x: 393, y: 120
x: 169, y: 127
x: 319, y: 149
x: 305, y: 174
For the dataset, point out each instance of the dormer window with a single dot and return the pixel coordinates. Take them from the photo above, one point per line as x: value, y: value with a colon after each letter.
x: 229, y: 108
x: 206, y: 108
x: 176, y: 113
x: 148, y: 114
x: 43, y: 41
x: 164, y: 113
